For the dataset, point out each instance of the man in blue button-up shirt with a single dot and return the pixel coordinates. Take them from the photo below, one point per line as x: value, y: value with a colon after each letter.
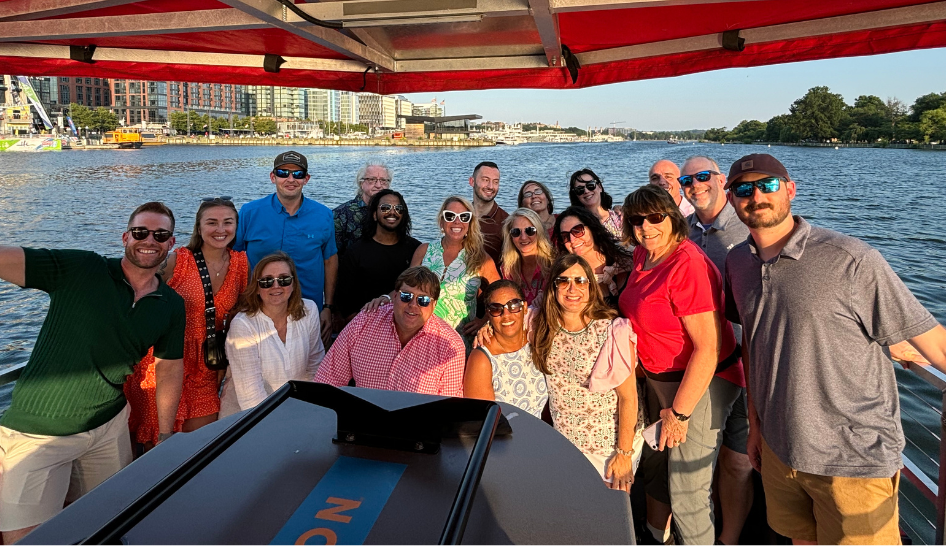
x: 300, y: 227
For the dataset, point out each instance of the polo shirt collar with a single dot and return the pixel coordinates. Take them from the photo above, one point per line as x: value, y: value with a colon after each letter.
x: 723, y: 219
x: 492, y: 211
x: 279, y: 208
x: 116, y: 272
x: 795, y: 246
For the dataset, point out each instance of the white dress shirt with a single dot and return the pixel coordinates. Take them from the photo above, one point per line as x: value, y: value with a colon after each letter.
x: 260, y: 362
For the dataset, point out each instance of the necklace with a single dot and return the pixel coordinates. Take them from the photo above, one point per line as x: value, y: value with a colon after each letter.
x: 223, y: 265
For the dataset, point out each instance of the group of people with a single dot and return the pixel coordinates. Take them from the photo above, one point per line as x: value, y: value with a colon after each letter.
x: 699, y: 308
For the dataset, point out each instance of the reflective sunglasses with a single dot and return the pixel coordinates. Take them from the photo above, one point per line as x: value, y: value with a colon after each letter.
x: 375, y: 180
x: 449, y: 216
x: 388, y: 207
x: 141, y: 233
x: 423, y: 301
x: 537, y: 191
x: 577, y: 232
x: 284, y: 173
x: 580, y: 189
x: 702, y: 176
x: 221, y: 198
x: 765, y: 185
x: 516, y: 232
x: 562, y: 282
x: 267, y: 281
x: 496, y: 309
x: 654, y: 218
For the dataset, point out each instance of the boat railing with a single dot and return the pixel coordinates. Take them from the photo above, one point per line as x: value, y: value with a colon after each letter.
x: 11, y: 374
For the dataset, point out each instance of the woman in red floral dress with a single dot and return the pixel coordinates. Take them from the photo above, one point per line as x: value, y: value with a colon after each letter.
x: 213, y: 235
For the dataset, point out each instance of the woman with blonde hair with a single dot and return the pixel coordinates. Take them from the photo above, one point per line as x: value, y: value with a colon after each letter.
x: 275, y: 336
x: 460, y: 260
x: 527, y: 253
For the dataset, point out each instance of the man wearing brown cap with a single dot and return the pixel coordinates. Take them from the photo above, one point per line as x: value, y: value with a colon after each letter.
x: 817, y: 307
x: 300, y: 227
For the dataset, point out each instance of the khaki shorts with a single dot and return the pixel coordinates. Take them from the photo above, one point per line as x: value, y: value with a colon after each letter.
x: 830, y: 510
x: 39, y: 474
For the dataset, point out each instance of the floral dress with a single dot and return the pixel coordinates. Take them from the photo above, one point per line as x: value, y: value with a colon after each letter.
x: 458, y: 288
x: 517, y: 381
x: 614, y: 223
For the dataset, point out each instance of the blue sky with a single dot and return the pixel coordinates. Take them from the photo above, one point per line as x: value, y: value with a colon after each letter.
x: 710, y: 99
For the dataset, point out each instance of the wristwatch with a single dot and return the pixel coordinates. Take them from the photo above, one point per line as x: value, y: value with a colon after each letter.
x: 327, y: 306
x: 680, y: 417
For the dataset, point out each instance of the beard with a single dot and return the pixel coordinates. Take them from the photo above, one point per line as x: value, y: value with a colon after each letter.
x: 754, y: 218
x: 389, y: 229
x: 142, y: 261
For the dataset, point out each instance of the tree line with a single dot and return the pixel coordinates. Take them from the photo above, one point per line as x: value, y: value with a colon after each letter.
x: 99, y: 120
x: 823, y: 116
x: 203, y: 123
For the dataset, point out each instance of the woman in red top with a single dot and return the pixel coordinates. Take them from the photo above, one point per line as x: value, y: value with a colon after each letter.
x: 213, y: 235
x: 674, y: 300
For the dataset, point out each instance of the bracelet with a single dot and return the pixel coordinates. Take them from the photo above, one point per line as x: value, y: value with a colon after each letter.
x: 629, y: 453
x: 386, y: 296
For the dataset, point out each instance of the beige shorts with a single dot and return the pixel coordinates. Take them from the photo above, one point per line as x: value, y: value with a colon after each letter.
x: 829, y: 509
x: 39, y: 474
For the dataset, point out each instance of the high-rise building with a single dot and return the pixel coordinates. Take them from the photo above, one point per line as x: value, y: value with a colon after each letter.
x: 348, y: 107
x: 323, y: 104
x: 91, y: 92
x: 284, y: 103
x: 377, y: 111
x: 139, y: 101
x: 431, y: 109
x: 404, y: 108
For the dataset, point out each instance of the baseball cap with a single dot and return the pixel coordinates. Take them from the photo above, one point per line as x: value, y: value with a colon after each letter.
x: 291, y: 158
x: 755, y: 163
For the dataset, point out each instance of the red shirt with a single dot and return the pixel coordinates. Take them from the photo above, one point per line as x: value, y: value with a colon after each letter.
x: 369, y: 351
x: 685, y: 283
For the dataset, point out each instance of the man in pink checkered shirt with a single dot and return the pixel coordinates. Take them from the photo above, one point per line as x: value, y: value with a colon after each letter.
x: 400, y: 347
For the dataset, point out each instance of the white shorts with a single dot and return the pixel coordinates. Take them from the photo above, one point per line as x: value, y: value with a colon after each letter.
x: 39, y: 474
x: 600, y: 462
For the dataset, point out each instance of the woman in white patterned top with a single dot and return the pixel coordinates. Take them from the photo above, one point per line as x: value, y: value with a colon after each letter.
x: 502, y: 369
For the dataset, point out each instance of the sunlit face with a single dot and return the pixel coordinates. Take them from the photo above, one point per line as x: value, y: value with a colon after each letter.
x: 509, y: 324
x: 526, y: 244
x: 289, y: 188
x: 455, y: 230
x: 147, y: 254
x: 485, y: 183
x: 763, y: 210
x: 664, y: 173
x: 589, y: 199
x: 538, y: 202
x: 410, y: 316
x: 217, y: 226
x: 391, y: 219
x: 376, y: 178
x: 276, y: 296
x: 574, y: 297
x: 655, y: 237
x: 582, y: 245
x: 704, y: 196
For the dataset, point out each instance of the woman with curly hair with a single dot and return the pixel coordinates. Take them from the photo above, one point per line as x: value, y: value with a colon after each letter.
x: 579, y: 232
x: 527, y: 253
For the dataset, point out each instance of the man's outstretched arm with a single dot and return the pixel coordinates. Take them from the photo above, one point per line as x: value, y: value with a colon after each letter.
x: 13, y: 265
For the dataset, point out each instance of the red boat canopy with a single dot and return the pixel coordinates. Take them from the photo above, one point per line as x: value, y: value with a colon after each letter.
x: 401, y: 46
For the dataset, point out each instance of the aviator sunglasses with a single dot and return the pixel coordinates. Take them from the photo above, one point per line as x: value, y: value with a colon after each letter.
x: 702, y: 176
x: 562, y: 282
x: 449, y: 216
x: 141, y: 233
x: 284, y: 173
x: 267, y: 282
x: 408, y: 297
x: 582, y: 184
x: 496, y: 309
x: 577, y: 232
x: 516, y: 232
x: 765, y: 185
x: 654, y: 218
x: 224, y: 198
x: 387, y: 207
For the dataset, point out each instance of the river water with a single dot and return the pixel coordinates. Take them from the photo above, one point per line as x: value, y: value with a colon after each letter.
x: 81, y: 199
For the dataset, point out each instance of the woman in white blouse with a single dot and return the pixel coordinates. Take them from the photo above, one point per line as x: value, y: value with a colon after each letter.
x: 274, y: 337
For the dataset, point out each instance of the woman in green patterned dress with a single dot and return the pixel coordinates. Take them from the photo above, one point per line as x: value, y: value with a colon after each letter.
x: 460, y: 260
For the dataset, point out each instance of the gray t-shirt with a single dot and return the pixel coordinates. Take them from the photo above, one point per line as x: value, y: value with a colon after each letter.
x: 815, y: 319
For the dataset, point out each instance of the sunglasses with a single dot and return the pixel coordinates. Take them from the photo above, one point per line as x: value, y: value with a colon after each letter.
x: 267, y: 281
x: 528, y: 194
x: 577, y: 232
x: 387, y: 207
x: 423, y: 301
x: 702, y: 176
x: 516, y: 232
x: 562, y: 282
x: 496, y: 309
x: 745, y: 189
x: 141, y: 233
x: 225, y: 198
x: 449, y: 216
x: 284, y: 173
x: 580, y: 189
x: 654, y: 218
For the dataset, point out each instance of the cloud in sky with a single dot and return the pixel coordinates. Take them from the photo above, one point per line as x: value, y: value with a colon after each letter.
x: 709, y: 99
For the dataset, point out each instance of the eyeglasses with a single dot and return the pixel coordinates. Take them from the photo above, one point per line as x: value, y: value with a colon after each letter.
x: 267, y: 281
x: 141, y: 233
x: 388, y: 207
x: 654, y: 218
x: 496, y: 309
x: 516, y: 232
x: 449, y: 216
x: 225, y: 198
x: 580, y: 189
x: 375, y: 180
x: 765, y: 185
x: 562, y: 282
x: 528, y: 194
x: 423, y: 301
x: 577, y: 231
x: 702, y: 176
x: 284, y: 173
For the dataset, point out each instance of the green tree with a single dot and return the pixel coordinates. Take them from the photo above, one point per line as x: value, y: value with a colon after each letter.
x: 774, y: 127
x: 179, y: 122
x: 932, y: 101
x: 868, y: 119
x: 81, y: 115
x: 897, y: 112
x: 716, y: 134
x: 748, y: 131
x: 220, y: 124
x: 933, y: 124
x: 103, y: 120
x: 818, y: 115
x: 264, y: 126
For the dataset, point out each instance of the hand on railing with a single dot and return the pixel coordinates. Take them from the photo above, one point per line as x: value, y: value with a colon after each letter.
x: 905, y: 352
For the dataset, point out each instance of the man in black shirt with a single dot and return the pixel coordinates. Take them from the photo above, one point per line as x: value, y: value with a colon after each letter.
x: 371, y: 265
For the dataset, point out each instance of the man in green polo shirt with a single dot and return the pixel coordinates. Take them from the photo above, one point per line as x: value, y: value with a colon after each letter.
x: 67, y: 428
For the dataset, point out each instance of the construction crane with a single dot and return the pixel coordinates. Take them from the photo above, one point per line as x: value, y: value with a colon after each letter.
x: 613, y: 123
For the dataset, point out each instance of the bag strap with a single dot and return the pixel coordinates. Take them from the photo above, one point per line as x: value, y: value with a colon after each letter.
x: 210, y: 310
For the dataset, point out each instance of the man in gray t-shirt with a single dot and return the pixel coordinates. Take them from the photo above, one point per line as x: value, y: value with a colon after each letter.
x: 816, y: 308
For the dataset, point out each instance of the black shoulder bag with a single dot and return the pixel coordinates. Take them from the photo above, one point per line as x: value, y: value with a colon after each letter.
x: 215, y: 355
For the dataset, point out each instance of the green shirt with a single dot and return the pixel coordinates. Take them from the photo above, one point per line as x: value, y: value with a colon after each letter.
x: 93, y: 336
